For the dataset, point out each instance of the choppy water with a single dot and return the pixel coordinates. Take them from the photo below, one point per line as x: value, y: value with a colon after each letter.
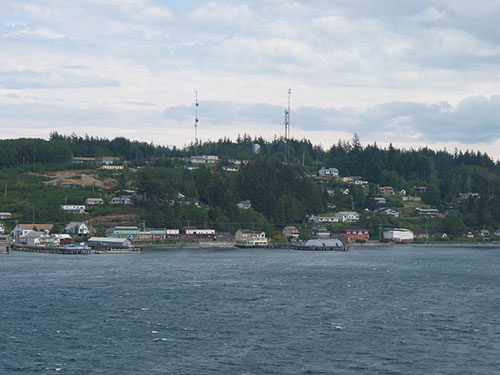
x: 382, y: 311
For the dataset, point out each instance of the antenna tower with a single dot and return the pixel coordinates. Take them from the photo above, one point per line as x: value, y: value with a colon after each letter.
x: 287, y: 128
x: 196, y: 118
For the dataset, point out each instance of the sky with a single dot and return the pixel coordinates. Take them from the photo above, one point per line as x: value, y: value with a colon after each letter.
x: 411, y: 73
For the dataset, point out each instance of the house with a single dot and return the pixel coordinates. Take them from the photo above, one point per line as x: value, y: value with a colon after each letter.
x: 320, y: 231
x: 2, y: 228
x: 330, y: 192
x: 36, y: 238
x: 323, y: 219
x: 121, y: 200
x: 245, y: 205
x: 5, y: 215
x: 380, y: 200
x: 108, y: 160
x: 497, y: 232
x: 191, y: 167
x: 94, y: 202
x: 328, y: 172
x: 108, y: 242
x: 204, y: 159
x: 355, y: 234
x: 421, y: 235
x: 247, y: 237
x: 112, y: 167
x: 64, y: 239
x: 388, y: 211
x: 122, y: 231
x: 195, y: 232
x: 73, y: 209
x: 483, y: 234
x: 331, y: 206
x: 386, y: 190
x: 77, y: 228
x: 83, y: 159
x: 291, y: 231
x: 21, y: 230
x: 347, y: 216
x: 230, y: 169
x: 398, y: 235
x: 469, y: 195
x: 427, y: 212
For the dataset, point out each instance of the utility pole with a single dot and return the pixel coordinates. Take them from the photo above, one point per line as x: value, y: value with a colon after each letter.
x: 196, y: 105
x: 287, y: 128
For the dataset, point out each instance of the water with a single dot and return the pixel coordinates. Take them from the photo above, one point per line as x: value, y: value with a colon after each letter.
x: 383, y: 311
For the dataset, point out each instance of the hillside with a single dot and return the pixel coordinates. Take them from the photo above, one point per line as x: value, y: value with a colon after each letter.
x: 168, y: 189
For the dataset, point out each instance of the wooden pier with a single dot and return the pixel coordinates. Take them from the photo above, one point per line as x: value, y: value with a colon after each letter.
x: 75, y: 250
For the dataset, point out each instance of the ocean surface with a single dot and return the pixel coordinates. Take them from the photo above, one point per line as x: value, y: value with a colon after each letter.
x: 394, y: 310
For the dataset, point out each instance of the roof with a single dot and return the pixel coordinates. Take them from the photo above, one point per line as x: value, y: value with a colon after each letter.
x: 108, y: 239
x: 73, y: 224
x: 37, y: 226
x: 249, y: 231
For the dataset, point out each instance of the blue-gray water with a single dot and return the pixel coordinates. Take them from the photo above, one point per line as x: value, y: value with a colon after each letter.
x: 400, y: 310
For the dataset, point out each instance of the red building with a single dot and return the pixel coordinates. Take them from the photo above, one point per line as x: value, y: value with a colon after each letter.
x: 354, y: 234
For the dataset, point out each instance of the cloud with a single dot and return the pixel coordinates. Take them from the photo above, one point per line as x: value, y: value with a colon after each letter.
x: 51, y: 79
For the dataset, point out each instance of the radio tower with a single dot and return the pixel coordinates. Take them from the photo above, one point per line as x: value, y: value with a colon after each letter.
x: 287, y: 128
x: 196, y: 118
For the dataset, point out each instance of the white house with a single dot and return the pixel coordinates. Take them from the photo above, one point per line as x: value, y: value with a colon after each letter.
x: 77, y: 228
x: 245, y: 205
x: 94, y: 202
x: 5, y: 215
x: 199, y: 232
x: 73, y: 209
x: 2, y: 228
x: 398, y: 235
x: 328, y: 172
x: 204, y: 159
x: 347, y: 216
x: 121, y: 200
x: 230, y: 169
x: 323, y: 219
x: 35, y: 238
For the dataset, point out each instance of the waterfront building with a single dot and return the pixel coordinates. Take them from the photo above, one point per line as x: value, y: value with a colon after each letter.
x: 398, y: 235
x: 355, y: 234
x: 99, y: 242
x: 23, y: 229
x: 291, y: 231
x: 247, y: 237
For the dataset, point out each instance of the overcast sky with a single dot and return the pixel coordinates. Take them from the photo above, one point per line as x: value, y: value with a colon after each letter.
x: 414, y: 73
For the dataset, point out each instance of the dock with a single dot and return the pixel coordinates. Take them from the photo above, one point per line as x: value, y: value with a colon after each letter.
x: 75, y: 250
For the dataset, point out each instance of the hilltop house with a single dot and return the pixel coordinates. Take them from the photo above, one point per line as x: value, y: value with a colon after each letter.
x: 347, y: 216
x: 94, y: 202
x: 328, y: 172
x: 245, y: 205
x: 73, y: 209
x: 77, y: 228
x: 323, y: 219
x: 386, y: 190
x: 121, y: 200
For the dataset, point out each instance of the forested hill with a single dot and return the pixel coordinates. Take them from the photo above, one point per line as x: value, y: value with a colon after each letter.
x: 280, y: 193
